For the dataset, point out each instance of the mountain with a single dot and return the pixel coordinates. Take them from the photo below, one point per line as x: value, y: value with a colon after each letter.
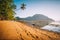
x: 37, y: 17
x: 37, y: 20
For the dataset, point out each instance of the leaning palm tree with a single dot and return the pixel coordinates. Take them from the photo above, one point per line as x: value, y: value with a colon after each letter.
x: 23, y: 6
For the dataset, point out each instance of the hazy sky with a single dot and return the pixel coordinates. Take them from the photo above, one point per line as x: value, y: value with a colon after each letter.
x: 50, y: 8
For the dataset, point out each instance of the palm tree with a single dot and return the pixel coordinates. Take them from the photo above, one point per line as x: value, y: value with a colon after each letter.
x: 6, y: 9
x: 23, y: 6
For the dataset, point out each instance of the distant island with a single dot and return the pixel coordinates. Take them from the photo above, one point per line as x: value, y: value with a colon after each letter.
x: 37, y: 20
x: 36, y: 17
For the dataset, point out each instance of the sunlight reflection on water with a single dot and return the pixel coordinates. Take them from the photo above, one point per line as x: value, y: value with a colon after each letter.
x: 51, y: 28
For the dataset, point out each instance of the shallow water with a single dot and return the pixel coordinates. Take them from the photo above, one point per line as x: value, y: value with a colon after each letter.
x: 51, y: 28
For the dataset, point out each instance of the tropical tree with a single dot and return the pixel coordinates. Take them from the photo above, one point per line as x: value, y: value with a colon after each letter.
x: 23, y: 6
x: 7, y: 9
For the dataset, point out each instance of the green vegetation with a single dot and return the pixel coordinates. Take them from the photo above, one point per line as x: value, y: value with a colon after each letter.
x: 7, y: 9
x: 23, y: 6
